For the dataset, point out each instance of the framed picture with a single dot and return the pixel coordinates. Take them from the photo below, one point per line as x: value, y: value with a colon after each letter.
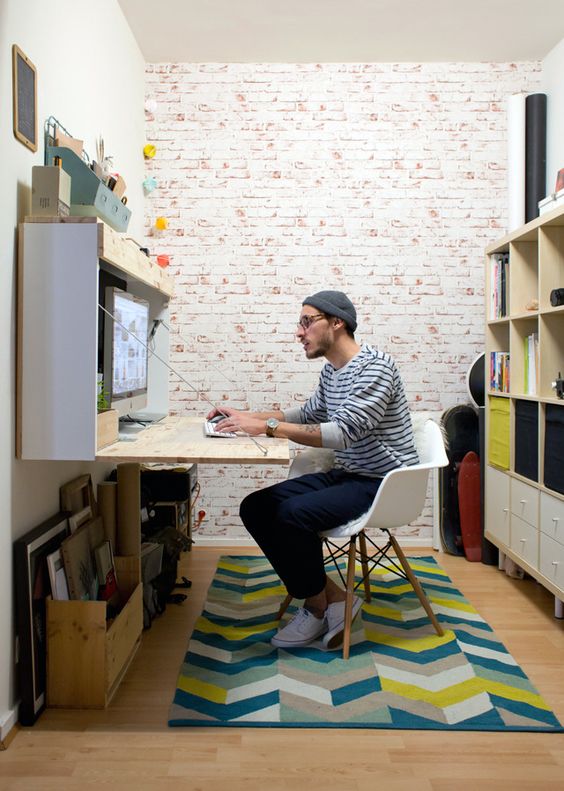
x: 79, y: 518
x: 32, y: 586
x: 24, y: 91
x: 78, y: 494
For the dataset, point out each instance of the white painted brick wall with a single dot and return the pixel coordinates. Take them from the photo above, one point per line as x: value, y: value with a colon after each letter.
x: 384, y: 180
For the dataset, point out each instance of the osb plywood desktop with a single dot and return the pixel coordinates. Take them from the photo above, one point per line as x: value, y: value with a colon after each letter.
x: 181, y: 440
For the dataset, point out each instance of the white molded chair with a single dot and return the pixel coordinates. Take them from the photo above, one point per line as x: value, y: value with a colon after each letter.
x: 399, y: 501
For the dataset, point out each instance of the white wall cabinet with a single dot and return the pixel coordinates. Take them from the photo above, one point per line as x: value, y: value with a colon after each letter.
x: 58, y: 293
x: 524, y: 497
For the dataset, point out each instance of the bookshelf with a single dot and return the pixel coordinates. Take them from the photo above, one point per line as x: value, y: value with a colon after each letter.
x: 524, y: 495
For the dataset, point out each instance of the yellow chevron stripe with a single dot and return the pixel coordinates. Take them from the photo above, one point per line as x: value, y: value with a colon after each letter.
x: 463, y: 691
x: 442, y: 698
x: 274, y: 590
x: 233, y: 567
x: 453, y: 604
x: 384, y: 612
x: 381, y: 570
x: 413, y: 644
x: 209, y: 692
x: 513, y: 693
x: 233, y: 632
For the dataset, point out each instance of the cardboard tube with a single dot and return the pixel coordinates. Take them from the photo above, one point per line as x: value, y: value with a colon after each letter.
x: 128, y: 509
x: 107, y: 508
x: 516, y: 160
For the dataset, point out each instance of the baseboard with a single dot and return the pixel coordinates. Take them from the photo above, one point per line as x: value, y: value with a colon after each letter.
x: 7, y: 731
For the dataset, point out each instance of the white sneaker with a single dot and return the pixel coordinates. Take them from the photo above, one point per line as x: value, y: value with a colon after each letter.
x: 335, y: 615
x: 303, y: 629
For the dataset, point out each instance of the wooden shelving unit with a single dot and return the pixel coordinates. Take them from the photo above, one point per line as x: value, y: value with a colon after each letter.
x: 525, y: 515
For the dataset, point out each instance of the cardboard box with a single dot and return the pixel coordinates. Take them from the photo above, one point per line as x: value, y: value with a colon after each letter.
x: 551, y: 202
x: 50, y: 191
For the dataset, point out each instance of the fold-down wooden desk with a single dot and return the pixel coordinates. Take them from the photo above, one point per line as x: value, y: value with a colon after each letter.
x: 182, y: 440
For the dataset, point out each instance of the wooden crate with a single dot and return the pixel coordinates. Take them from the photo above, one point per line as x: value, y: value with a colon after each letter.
x: 87, y: 657
x: 107, y: 428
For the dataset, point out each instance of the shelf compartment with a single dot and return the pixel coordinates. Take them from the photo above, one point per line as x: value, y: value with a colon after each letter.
x: 527, y: 439
x: 499, y: 432
x: 553, y: 468
x: 524, y: 357
x: 551, y: 253
x: 523, y: 283
x: 551, y: 339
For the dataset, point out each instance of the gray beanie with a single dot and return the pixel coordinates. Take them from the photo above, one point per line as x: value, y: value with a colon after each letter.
x: 334, y: 303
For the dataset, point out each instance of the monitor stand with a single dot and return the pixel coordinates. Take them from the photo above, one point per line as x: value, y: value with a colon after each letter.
x: 147, y: 417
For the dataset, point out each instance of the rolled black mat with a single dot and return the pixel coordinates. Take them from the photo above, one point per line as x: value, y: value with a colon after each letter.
x: 535, y: 153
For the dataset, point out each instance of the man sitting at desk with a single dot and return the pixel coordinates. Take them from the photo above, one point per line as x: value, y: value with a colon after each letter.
x: 359, y: 409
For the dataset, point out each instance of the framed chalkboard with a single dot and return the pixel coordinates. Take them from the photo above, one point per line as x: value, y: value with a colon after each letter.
x: 24, y: 91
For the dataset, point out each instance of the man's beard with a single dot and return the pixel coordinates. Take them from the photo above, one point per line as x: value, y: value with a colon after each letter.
x: 322, y: 347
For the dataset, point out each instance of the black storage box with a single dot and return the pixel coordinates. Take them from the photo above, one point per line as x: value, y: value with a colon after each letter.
x: 527, y: 439
x: 554, y: 448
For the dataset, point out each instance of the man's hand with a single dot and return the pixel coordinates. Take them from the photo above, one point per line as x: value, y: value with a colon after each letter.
x: 242, y: 422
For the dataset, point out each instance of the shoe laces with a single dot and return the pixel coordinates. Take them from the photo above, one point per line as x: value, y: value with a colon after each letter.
x: 301, y: 616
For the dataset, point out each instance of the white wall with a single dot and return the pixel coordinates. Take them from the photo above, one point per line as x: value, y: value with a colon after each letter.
x: 552, y: 85
x: 90, y: 76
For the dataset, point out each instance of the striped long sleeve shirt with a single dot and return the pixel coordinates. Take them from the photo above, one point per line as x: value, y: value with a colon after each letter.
x: 363, y: 414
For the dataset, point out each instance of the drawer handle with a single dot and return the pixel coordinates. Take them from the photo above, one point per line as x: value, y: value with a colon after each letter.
x: 523, y: 502
x: 523, y: 540
x: 554, y: 562
x: 505, y: 510
x: 555, y: 519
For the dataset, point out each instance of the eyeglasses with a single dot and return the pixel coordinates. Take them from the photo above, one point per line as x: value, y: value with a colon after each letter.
x: 306, y: 321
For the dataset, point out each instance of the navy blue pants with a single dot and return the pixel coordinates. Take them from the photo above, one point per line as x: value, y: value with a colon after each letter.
x: 285, y: 520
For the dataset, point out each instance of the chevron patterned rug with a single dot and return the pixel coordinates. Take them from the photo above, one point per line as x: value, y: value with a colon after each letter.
x: 400, y: 674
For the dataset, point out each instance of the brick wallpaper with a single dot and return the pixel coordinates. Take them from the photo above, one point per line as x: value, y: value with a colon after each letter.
x: 383, y: 180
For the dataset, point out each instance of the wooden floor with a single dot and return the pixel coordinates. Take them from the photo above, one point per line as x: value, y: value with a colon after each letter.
x: 130, y: 745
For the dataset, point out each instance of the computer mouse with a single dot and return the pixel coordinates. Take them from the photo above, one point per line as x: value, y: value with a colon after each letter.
x: 216, y: 419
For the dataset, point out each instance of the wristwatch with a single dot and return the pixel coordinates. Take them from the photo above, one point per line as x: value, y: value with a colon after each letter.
x: 271, y: 426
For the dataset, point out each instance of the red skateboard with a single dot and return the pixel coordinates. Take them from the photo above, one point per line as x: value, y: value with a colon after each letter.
x: 469, y: 506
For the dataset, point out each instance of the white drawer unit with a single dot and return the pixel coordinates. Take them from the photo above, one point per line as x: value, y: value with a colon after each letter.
x: 497, y: 504
x: 524, y: 501
x: 552, y: 517
x: 552, y: 561
x: 525, y: 541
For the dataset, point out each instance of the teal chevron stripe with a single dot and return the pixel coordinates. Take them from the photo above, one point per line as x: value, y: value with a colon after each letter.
x: 400, y: 674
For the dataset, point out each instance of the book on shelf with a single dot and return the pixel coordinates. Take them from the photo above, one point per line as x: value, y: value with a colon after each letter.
x: 531, y: 364
x: 499, y: 285
x: 499, y: 372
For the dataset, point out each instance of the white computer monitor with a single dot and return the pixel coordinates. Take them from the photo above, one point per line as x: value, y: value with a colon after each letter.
x: 125, y: 358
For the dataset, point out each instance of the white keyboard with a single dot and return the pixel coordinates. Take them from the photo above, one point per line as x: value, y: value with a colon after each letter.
x: 210, y: 431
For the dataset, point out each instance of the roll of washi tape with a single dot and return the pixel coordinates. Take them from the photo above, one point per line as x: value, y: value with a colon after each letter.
x: 163, y: 260
x: 149, y: 183
x: 161, y: 223
x: 149, y: 151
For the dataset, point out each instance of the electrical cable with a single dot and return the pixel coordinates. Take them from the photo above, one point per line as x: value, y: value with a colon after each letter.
x: 199, y: 393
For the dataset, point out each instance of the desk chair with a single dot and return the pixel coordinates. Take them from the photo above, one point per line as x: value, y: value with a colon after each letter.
x: 399, y: 501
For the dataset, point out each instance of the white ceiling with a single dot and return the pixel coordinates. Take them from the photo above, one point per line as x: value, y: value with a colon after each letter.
x: 361, y: 31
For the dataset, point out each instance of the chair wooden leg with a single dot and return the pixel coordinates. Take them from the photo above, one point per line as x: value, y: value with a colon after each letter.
x: 416, y: 585
x: 364, y: 564
x: 284, y: 606
x: 349, y: 600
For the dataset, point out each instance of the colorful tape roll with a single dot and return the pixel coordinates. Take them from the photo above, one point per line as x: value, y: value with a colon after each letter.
x: 149, y: 184
x: 163, y: 260
x: 149, y: 151
x: 161, y: 223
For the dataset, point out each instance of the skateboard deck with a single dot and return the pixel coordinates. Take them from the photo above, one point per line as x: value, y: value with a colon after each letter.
x: 460, y: 425
x: 469, y: 506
